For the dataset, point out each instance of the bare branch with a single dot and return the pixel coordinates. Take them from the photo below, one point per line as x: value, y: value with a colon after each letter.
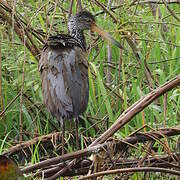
x: 136, y: 169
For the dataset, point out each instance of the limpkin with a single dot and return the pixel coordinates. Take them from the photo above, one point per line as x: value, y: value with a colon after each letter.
x: 64, y: 69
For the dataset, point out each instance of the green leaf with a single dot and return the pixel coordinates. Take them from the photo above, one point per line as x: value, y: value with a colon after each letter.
x: 103, y: 92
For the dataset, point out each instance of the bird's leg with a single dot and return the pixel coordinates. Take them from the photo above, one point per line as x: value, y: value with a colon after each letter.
x: 77, y: 135
x: 63, y: 133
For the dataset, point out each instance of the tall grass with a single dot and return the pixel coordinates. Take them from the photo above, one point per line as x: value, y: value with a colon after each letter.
x: 158, y: 48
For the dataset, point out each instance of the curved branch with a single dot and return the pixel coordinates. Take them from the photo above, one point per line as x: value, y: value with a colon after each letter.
x: 136, y: 169
x: 136, y: 108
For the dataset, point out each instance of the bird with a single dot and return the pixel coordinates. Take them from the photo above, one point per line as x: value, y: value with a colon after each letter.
x: 63, y: 70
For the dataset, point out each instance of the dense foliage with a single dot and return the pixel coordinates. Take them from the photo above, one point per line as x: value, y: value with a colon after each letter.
x: 117, y: 78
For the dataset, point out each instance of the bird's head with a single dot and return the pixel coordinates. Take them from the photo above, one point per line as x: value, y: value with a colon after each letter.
x: 84, y: 20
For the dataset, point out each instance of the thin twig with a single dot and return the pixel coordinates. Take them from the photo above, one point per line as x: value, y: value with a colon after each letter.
x: 54, y: 12
x: 156, y: 2
x: 171, y: 11
x: 10, y: 103
x: 17, y: 29
x: 70, y: 9
x: 1, y: 94
x: 21, y: 95
x: 79, y: 6
x: 106, y: 10
x: 165, y: 108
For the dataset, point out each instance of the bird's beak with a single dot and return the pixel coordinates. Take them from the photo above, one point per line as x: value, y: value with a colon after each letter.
x: 105, y: 35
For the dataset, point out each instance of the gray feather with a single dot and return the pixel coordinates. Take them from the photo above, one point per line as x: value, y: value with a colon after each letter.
x: 64, y: 76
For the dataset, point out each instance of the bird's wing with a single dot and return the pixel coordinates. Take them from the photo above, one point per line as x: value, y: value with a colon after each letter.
x: 55, y: 89
x: 83, y: 66
x: 76, y: 67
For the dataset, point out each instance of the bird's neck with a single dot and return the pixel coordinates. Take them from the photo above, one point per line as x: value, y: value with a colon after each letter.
x: 76, y: 33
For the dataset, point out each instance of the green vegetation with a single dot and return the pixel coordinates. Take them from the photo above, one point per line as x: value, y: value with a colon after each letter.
x: 114, y: 85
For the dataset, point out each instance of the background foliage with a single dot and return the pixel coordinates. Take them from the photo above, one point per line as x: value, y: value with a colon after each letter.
x: 115, y: 82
